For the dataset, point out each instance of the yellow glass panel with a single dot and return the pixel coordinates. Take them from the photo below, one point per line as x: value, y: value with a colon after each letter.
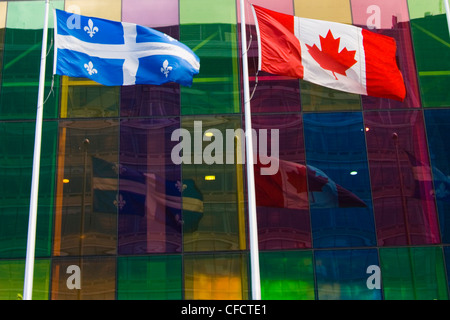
x: 106, y: 9
x: 218, y: 277
x: 330, y: 10
x: 2, y: 14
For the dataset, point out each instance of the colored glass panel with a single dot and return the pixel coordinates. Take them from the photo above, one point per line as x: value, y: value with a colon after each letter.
x: 280, y: 226
x: 438, y: 124
x: 149, y: 278
x: 151, y: 218
x: 431, y: 41
x: 330, y: 10
x: 447, y: 263
x: 210, y: 31
x: 85, y: 211
x: 287, y: 275
x: 344, y: 275
x: 16, y: 162
x: 153, y: 14
x: 2, y: 34
x: 221, y: 225
x: 405, y: 211
x: 12, y: 278
x: 21, y: 62
x: 390, y: 18
x: 335, y: 145
x: 413, y: 273
x: 106, y: 9
x: 216, y: 277
x: 83, y: 278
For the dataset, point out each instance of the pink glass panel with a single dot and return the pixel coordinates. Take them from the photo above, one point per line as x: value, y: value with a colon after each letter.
x: 405, y: 211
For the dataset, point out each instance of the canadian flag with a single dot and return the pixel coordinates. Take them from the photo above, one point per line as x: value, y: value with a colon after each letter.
x: 330, y: 54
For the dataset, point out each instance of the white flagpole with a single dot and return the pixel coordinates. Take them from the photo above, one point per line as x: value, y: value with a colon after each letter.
x: 31, y: 241
x: 447, y: 11
x: 253, y: 226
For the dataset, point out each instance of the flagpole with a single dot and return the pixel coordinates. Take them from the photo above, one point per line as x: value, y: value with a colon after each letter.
x: 31, y: 241
x: 447, y: 11
x: 253, y: 226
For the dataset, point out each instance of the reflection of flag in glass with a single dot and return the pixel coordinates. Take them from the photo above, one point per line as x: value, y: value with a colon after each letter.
x: 424, y: 176
x: 124, y: 190
x: 288, y: 188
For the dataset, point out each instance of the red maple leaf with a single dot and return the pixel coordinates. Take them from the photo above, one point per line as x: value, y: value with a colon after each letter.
x: 330, y: 58
x: 297, y: 179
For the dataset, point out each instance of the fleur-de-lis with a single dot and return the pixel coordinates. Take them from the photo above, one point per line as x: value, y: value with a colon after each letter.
x: 119, y: 202
x: 90, y: 68
x: 180, y: 186
x: 91, y: 29
x: 166, y: 68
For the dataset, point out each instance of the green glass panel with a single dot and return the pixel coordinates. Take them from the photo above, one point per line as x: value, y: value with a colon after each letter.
x: 220, y: 183
x: 287, y: 275
x: 16, y: 162
x: 431, y: 41
x: 12, y: 279
x: 210, y: 31
x: 216, y: 277
x: 21, y: 62
x: 149, y: 278
x: 201, y: 11
x: 413, y: 273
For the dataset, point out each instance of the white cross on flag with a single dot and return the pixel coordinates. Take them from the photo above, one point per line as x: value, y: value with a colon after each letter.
x: 330, y: 54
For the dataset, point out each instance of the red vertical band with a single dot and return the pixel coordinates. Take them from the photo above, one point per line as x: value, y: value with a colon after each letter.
x: 280, y: 48
x: 384, y: 79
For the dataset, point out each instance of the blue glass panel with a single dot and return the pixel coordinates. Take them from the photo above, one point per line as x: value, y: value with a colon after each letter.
x: 438, y: 125
x: 338, y: 180
x: 347, y: 275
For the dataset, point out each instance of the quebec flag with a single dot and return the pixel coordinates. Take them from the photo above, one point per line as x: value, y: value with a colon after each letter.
x: 119, y: 53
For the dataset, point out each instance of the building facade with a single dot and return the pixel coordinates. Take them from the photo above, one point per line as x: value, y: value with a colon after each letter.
x: 118, y: 218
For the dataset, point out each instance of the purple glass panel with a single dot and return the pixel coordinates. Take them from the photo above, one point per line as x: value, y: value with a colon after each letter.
x: 405, y: 211
x: 390, y: 18
x: 145, y: 149
x: 281, y: 226
x: 149, y: 100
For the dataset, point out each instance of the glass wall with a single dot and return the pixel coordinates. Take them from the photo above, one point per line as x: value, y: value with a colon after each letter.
x: 143, y: 189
